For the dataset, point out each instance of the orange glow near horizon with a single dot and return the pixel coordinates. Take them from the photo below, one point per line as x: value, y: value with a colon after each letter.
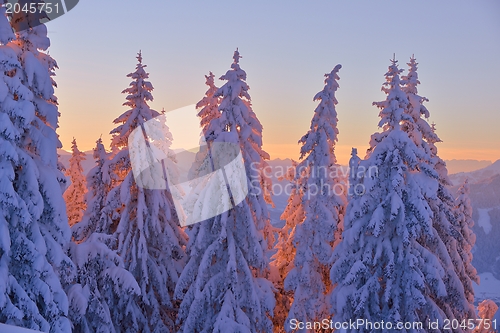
x: 342, y: 152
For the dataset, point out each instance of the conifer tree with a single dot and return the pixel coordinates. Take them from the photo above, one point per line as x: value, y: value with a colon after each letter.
x: 149, y: 239
x: 75, y: 193
x: 224, y: 287
x: 209, y: 104
x: 314, y: 214
x: 459, y: 304
x: 101, y: 275
x: 390, y: 264
x: 463, y: 210
x: 209, y: 110
x: 33, y: 223
x: 95, y: 217
x: 101, y: 280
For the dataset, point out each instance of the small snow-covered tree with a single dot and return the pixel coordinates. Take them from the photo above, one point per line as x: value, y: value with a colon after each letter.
x: 487, y: 310
x: 101, y: 274
x: 209, y: 104
x: 75, y: 193
x: 209, y: 110
x: 224, y: 287
x: 33, y: 223
x: 459, y: 304
x: 95, y: 217
x: 388, y: 266
x: 149, y: 239
x: 314, y: 214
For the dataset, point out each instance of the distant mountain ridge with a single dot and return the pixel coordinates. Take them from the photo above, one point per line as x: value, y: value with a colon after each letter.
x: 478, y: 175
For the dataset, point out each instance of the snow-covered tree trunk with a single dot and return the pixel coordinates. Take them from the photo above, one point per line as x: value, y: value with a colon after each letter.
x: 34, y: 229
x: 224, y: 287
x: 75, y: 193
x: 391, y: 264
x: 314, y: 214
x: 148, y: 237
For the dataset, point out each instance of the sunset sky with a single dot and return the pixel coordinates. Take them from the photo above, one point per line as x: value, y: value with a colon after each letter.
x: 287, y: 47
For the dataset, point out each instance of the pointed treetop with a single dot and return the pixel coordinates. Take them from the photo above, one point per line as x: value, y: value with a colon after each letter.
x: 331, y: 79
x: 139, y: 56
x: 138, y: 96
x: 236, y: 56
x: 210, y: 79
x: 324, y: 122
x: 394, y: 63
x: 392, y: 109
x: 74, y: 146
x: 354, y: 152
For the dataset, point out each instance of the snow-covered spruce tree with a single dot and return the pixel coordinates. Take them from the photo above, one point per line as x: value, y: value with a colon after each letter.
x: 386, y: 266
x: 75, y: 193
x: 101, y: 275
x: 464, y: 221
x: 33, y: 224
x: 209, y: 110
x: 459, y: 303
x: 224, y: 287
x: 282, y: 260
x: 95, y: 218
x: 314, y: 214
x: 101, y: 279
x: 209, y: 104
x: 149, y: 239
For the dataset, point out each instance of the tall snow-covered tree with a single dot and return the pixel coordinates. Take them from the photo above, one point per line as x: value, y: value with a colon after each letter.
x: 75, y: 193
x: 391, y: 264
x: 33, y: 223
x: 224, y: 287
x: 459, y: 304
x: 463, y: 210
x: 149, y: 239
x: 314, y: 214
